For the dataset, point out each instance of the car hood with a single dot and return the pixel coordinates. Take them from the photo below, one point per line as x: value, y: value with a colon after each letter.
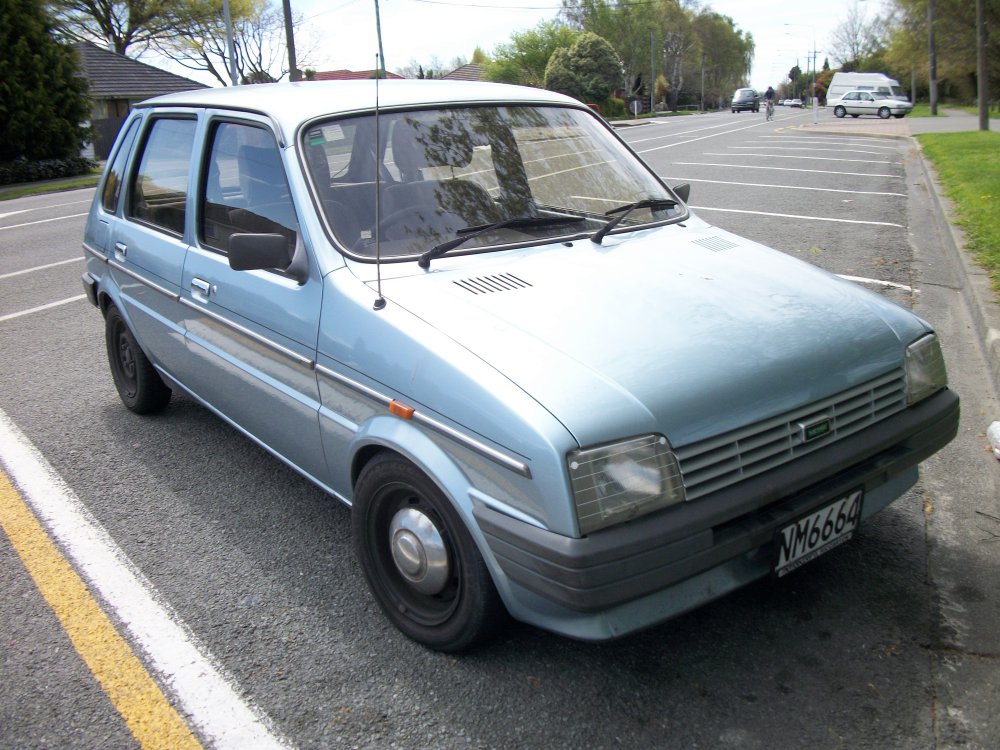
x: 686, y: 331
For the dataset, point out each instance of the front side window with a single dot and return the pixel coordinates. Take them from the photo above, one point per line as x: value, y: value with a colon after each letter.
x: 245, y: 190
x: 159, y: 189
x: 113, y: 181
x: 441, y: 175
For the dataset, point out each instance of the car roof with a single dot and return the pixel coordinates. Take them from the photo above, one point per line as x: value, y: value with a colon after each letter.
x: 289, y: 104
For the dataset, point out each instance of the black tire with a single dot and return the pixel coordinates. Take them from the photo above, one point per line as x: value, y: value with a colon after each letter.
x: 884, y: 113
x: 900, y: 117
x: 456, y: 611
x: 139, y: 385
x: 855, y: 116
x: 839, y: 111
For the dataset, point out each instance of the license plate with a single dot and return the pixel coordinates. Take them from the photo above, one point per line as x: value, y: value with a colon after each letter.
x: 819, y: 532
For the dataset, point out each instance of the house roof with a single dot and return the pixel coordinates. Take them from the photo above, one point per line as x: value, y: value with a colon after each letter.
x: 114, y: 76
x: 470, y: 72
x: 349, y: 75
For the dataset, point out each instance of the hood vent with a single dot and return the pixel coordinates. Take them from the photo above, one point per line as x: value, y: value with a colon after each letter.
x: 504, y: 282
x: 715, y: 244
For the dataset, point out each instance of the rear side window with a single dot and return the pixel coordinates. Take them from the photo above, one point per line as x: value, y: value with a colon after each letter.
x: 245, y: 188
x: 159, y: 189
x: 113, y: 182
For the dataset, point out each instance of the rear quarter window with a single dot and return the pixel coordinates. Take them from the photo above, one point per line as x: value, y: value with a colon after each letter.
x: 113, y: 180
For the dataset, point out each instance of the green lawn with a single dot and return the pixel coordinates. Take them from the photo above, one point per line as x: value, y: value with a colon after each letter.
x: 968, y: 165
x: 52, y: 186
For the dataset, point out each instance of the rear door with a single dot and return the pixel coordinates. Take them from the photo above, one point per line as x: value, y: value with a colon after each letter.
x: 252, y: 334
x: 147, y: 244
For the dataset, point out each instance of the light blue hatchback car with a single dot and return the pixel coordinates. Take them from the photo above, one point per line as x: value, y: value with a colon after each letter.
x: 473, y: 314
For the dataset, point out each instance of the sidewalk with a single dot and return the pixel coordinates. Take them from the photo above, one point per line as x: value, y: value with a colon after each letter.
x: 54, y: 185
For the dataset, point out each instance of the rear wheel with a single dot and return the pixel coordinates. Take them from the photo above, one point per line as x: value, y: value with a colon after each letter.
x: 139, y: 385
x: 884, y: 113
x: 419, y: 560
x: 839, y: 111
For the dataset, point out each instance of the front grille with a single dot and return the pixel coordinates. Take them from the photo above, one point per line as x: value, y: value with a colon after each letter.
x: 502, y: 282
x: 724, y: 460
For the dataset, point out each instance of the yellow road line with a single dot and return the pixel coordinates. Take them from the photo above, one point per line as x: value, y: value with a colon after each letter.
x: 146, y: 711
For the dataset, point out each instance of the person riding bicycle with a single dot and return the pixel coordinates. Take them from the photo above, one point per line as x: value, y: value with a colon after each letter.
x: 769, y: 96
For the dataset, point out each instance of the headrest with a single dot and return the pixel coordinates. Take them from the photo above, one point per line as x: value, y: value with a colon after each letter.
x: 417, y: 145
x: 261, y: 163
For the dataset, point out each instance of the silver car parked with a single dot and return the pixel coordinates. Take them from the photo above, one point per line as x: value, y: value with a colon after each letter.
x: 857, y: 103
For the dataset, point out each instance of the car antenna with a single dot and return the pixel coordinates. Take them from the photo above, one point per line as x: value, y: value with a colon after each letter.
x: 380, y: 301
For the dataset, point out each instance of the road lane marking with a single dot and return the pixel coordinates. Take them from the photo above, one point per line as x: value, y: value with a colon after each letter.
x: 880, y: 282
x: 872, y: 142
x: 142, y: 705
x: 811, y: 150
x: 674, y: 178
x: 710, y: 135
x: 206, y: 696
x: 41, y: 221
x: 41, y: 308
x: 796, y: 216
x: 15, y: 213
x: 782, y: 169
x: 816, y: 158
x: 39, y: 268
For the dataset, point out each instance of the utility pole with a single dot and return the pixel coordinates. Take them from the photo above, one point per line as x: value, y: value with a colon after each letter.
x: 982, y: 73
x: 293, y: 69
x: 230, y: 46
x: 932, y: 57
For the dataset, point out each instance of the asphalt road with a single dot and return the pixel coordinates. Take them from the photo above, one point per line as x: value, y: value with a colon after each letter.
x: 889, y: 641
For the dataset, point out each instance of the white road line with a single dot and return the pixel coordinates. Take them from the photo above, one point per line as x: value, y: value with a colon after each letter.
x: 796, y: 216
x: 39, y: 268
x: 41, y: 308
x: 811, y: 150
x: 14, y: 213
x: 802, y: 139
x: 879, y: 282
x: 42, y: 221
x: 710, y: 135
x: 782, y: 169
x: 813, y: 158
x: 677, y: 179
x: 208, y: 698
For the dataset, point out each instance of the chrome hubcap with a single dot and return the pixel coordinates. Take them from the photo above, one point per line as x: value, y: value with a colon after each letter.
x: 419, y: 551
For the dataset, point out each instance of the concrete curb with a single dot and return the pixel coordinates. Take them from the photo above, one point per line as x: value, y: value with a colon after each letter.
x: 976, y: 290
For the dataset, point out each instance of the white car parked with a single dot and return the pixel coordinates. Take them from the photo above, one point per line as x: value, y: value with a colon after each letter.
x: 855, y: 103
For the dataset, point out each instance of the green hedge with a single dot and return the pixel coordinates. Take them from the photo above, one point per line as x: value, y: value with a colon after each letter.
x: 47, y: 169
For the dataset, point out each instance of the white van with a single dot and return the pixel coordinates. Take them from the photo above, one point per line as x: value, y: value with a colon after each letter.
x: 874, y: 82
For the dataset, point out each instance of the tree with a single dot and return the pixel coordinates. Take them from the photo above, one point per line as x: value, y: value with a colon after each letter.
x: 590, y: 70
x: 856, y: 40
x: 258, y: 42
x: 129, y: 26
x: 43, y: 100
x: 525, y: 58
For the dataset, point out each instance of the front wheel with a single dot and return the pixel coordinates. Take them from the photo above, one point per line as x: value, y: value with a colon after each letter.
x: 139, y: 385
x: 884, y: 113
x: 898, y: 117
x: 839, y: 111
x: 419, y: 560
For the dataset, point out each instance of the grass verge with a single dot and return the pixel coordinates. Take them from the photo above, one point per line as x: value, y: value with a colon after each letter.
x: 52, y: 186
x: 968, y: 166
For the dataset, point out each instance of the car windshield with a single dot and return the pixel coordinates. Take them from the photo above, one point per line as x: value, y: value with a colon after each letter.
x: 444, y: 172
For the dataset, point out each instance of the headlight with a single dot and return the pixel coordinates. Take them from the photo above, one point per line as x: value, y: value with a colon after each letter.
x: 925, y: 371
x: 617, y: 482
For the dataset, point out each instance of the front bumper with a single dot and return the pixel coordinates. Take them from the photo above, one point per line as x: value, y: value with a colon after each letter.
x: 715, y: 537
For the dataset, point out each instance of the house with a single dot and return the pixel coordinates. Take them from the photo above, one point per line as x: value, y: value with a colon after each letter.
x: 348, y: 75
x: 116, y: 83
x: 469, y: 72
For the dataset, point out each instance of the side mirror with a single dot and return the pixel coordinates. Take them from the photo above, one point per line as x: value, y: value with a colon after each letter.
x: 682, y: 191
x: 252, y: 252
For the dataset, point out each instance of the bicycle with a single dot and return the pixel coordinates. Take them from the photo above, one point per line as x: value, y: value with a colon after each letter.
x: 769, y: 109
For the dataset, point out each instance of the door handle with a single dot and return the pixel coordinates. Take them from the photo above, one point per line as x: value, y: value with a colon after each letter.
x: 200, y: 285
x: 121, y: 250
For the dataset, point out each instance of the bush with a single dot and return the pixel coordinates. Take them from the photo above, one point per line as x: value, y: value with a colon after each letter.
x: 613, y: 108
x: 23, y: 170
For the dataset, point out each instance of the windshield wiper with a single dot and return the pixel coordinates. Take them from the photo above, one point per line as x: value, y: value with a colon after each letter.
x: 623, y: 211
x: 468, y: 233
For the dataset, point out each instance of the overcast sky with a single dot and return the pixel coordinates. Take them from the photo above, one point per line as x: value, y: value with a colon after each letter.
x: 341, y: 33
